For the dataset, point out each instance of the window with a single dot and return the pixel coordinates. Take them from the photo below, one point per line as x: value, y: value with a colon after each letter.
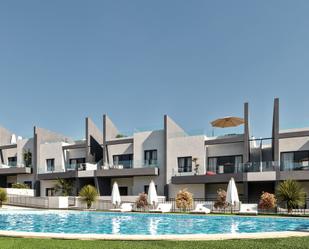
x: 123, y: 191
x: 74, y: 163
x: 295, y: 160
x: 225, y: 164
x: 50, y: 164
x: 28, y: 183
x: 146, y: 188
x: 12, y: 161
x: 150, y: 157
x: 126, y: 160
x: 185, y: 164
x: 49, y: 192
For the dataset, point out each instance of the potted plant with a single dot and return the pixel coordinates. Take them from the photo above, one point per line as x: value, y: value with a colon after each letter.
x: 184, y: 200
x: 267, y: 201
x: 142, y: 201
x: 292, y: 194
x: 221, y: 199
x: 196, y: 165
x: 3, y: 196
x: 89, y: 194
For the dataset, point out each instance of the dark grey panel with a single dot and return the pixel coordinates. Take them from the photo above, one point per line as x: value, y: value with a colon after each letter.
x: 294, y: 134
x: 127, y: 172
x: 120, y: 141
x: 8, y: 146
x: 15, y: 171
x: 225, y: 140
x: 74, y: 146
x: 220, y: 178
x: 294, y: 175
x: 55, y: 175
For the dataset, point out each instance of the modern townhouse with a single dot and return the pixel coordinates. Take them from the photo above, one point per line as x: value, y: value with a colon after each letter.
x: 15, y: 159
x: 169, y: 156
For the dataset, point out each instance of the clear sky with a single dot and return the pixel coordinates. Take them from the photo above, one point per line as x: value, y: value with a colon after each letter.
x: 137, y: 60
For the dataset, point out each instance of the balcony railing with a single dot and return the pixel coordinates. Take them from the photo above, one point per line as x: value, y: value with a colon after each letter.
x: 130, y: 164
x: 15, y: 165
x: 294, y: 166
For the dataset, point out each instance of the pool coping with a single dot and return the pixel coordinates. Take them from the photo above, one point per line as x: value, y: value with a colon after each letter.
x: 260, y: 235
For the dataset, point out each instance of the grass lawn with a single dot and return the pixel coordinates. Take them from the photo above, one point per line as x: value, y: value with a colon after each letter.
x: 19, y: 243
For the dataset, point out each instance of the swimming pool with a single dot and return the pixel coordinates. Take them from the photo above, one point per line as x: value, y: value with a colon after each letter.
x: 75, y: 222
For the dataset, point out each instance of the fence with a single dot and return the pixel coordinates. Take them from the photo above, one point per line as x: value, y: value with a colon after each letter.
x: 28, y: 201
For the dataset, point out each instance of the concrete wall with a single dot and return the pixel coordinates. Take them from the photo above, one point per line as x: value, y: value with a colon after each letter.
x: 124, y: 182
x: 198, y: 190
x: 46, y: 184
x: 12, y: 152
x: 23, y: 146
x: 182, y: 147
x: 119, y: 149
x: 225, y: 149
x: 211, y: 189
x: 50, y: 151
x: 293, y: 144
x: 5, y: 136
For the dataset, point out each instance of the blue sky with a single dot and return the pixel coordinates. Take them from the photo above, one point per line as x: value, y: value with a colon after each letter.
x: 61, y: 61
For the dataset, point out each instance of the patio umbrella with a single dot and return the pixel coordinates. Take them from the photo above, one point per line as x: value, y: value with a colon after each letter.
x: 227, y: 122
x: 232, y: 193
x: 115, y: 195
x: 152, y: 197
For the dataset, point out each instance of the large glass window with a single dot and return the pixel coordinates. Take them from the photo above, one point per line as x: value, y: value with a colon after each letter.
x: 150, y: 157
x: 50, y: 164
x: 12, y: 161
x: 296, y: 160
x: 126, y: 160
x: 74, y: 163
x: 225, y: 164
x: 185, y: 164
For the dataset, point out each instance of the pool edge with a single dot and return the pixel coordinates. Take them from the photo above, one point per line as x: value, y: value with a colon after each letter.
x: 260, y: 235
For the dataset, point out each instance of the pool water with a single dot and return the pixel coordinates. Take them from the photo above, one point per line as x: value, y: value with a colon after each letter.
x: 142, y: 224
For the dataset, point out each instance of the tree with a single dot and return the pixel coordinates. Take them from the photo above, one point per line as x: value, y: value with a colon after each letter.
x: 267, y: 201
x: 64, y: 186
x: 3, y: 196
x: 27, y: 158
x: 89, y: 195
x: 221, y: 199
x: 196, y: 165
x: 184, y: 200
x: 141, y: 201
x: 292, y: 194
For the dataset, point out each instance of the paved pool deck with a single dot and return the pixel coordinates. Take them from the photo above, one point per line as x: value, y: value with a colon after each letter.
x: 265, y: 235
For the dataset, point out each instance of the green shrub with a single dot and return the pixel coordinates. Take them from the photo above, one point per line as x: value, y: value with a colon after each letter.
x: 89, y: 195
x: 292, y: 194
x: 3, y: 196
x: 20, y: 185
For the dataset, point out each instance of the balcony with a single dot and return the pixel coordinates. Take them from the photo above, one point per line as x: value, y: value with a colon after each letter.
x: 294, y: 170
x: 253, y: 171
x: 129, y: 168
x: 14, y: 169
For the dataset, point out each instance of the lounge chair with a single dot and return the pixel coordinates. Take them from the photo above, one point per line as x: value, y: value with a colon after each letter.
x: 162, y: 208
x: 200, y: 209
x: 124, y: 207
x: 248, y: 209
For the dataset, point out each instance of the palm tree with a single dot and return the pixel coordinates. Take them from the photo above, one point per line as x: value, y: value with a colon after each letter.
x: 292, y: 193
x: 64, y: 186
x: 89, y: 195
x: 3, y: 196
